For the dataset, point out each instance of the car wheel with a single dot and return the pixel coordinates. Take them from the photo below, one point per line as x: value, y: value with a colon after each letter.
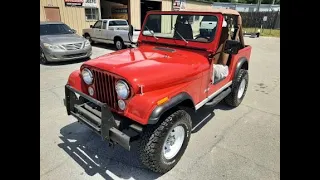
x: 118, y: 44
x: 88, y: 37
x: 43, y: 59
x: 162, y: 146
x: 239, y: 89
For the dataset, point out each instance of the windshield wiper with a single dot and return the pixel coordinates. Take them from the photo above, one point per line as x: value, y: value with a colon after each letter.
x: 151, y: 33
x: 181, y: 36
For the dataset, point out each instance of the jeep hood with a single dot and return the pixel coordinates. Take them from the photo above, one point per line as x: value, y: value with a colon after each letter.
x: 154, y: 67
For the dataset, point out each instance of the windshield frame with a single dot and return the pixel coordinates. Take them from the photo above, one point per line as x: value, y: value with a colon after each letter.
x: 182, y: 38
x: 179, y: 42
x: 69, y: 30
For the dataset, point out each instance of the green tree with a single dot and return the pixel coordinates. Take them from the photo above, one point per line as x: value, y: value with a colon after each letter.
x: 251, y: 1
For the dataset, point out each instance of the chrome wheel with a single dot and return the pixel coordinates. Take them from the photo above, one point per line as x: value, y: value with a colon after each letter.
x: 173, y: 142
x: 241, y: 88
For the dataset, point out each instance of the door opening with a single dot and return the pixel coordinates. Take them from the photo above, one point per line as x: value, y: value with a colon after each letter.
x: 52, y: 13
x: 148, y: 6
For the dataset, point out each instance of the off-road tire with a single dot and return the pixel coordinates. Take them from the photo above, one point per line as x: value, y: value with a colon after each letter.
x: 232, y: 99
x: 153, y: 138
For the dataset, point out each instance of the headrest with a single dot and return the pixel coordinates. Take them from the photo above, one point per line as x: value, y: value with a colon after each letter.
x: 224, y: 23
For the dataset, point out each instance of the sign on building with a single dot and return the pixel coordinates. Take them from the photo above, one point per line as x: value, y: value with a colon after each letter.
x: 73, y: 2
x: 265, y: 18
x: 90, y: 3
x: 179, y: 5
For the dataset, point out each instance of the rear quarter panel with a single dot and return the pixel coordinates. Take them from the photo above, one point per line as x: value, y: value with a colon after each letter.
x: 88, y: 30
x: 243, y: 53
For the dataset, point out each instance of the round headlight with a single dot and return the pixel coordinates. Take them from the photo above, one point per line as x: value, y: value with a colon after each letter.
x: 122, y: 89
x: 87, y: 76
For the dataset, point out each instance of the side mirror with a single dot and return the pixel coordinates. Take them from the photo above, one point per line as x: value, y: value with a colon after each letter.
x: 91, y: 26
x: 130, y: 33
x: 231, y: 47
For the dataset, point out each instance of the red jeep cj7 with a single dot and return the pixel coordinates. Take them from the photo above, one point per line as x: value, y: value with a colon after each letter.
x: 183, y: 61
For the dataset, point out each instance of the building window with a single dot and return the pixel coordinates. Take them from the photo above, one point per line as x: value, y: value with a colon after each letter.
x: 92, y: 13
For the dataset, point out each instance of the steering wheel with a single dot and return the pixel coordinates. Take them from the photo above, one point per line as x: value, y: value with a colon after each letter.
x: 207, y: 38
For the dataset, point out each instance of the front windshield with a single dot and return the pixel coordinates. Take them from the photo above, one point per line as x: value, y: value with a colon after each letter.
x: 54, y: 29
x: 199, y: 28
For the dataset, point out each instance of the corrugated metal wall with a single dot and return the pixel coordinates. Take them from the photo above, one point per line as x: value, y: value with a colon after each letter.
x: 72, y: 16
x: 166, y: 20
x: 166, y: 5
x: 75, y: 16
x: 135, y: 13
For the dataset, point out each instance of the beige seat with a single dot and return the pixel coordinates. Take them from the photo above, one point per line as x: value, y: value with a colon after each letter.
x: 222, y: 58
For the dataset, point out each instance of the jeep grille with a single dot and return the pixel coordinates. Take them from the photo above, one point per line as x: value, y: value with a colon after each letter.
x: 104, y: 84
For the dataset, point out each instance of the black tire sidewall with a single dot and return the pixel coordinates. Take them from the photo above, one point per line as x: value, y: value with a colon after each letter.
x: 115, y: 43
x: 88, y: 37
x: 243, y: 74
x: 177, y: 157
x: 153, y: 139
x: 232, y: 99
x: 44, y: 59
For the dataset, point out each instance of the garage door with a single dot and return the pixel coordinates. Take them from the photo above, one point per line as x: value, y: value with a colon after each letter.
x: 52, y: 13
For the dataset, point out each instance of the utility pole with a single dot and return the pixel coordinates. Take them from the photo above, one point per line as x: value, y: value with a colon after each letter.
x: 258, y: 6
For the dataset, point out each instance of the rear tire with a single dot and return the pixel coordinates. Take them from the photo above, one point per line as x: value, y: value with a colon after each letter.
x: 118, y: 43
x: 239, y: 89
x: 162, y: 146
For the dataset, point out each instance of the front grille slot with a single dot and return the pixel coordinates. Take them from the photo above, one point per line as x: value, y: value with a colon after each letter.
x: 105, y: 88
x: 74, y: 55
x: 74, y: 46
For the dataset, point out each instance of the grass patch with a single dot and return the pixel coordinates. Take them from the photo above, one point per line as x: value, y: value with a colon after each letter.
x: 264, y: 32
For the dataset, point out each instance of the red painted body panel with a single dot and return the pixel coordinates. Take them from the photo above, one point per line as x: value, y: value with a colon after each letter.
x: 161, y: 73
x: 152, y: 68
x: 245, y: 52
x: 76, y: 82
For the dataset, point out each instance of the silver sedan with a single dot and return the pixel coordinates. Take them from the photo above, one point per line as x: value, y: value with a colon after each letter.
x: 58, y: 42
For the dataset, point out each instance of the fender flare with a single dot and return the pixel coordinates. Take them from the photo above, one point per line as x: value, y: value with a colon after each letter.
x: 241, y: 61
x: 117, y: 36
x: 159, y: 110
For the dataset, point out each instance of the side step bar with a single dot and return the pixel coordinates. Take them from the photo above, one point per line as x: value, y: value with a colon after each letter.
x: 219, y: 98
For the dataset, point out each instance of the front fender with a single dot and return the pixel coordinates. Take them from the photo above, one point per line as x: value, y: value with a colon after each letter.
x: 159, y: 110
x: 76, y: 82
x: 143, y: 108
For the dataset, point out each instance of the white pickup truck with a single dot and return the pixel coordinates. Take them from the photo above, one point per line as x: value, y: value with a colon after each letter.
x: 111, y: 31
